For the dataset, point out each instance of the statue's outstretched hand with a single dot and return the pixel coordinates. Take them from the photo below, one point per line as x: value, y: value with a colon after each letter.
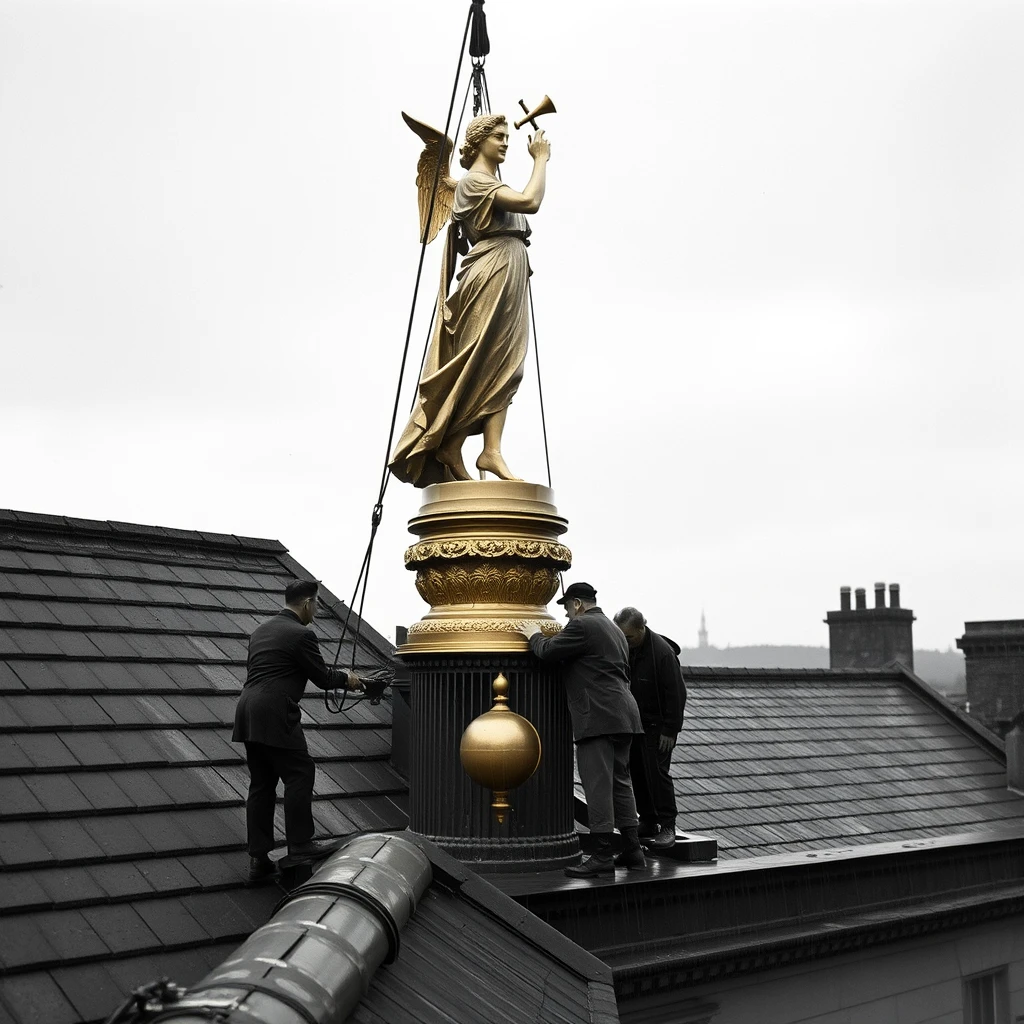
x: 539, y: 147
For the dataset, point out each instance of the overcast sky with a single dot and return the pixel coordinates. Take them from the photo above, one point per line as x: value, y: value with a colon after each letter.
x: 778, y: 273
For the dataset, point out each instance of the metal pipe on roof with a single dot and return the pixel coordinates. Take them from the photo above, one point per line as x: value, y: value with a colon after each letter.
x: 313, y: 961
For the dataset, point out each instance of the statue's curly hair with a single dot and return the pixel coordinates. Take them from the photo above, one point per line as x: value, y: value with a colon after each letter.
x: 478, y: 130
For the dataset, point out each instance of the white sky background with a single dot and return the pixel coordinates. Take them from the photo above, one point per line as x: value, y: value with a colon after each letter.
x: 779, y: 278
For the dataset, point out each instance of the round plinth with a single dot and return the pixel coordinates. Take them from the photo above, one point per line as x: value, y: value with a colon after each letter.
x: 487, y: 560
x: 447, y: 693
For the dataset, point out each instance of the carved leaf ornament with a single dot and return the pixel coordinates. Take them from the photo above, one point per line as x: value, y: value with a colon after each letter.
x: 488, y: 547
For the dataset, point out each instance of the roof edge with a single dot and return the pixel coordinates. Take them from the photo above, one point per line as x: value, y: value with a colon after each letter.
x: 941, y: 703
x: 741, y: 674
x: 489, y: 899
x: 108, y: 528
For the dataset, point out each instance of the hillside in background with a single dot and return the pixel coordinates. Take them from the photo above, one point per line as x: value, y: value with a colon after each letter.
x: 942, y: 669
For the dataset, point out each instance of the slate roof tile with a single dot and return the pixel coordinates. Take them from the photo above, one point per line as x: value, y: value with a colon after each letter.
x: 331, y: 819
x: 64, y: 886
x: 17, y: 799
x: 218, y: 913
x: 19, y: 890
x: 37, y: 997
x: 121, y: 926
x: 9, y: 679
x: 220, y: 677
x: 173, y: 925
x: 118, y: 837
x: 12, y: 756
x: 45, y: 750
x: 9, y: 717
x: 120, y: 879
x: 23, y: 940
x: 67, y: 839
x: 90, y: 989
x: 212, y: 870
x: 166, y: 874
x: 72, y: 935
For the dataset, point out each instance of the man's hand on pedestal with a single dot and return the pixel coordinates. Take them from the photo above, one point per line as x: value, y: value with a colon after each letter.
x: 529, y: 628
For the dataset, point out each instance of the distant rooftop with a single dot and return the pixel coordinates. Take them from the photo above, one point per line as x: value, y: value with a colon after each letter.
x: 774, y: 761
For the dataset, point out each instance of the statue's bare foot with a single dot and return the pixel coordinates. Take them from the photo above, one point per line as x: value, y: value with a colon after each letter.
x: 451, y: 458
x: 491, y: 461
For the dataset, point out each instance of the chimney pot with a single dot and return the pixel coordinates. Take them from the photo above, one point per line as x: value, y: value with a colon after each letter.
x: 879, y: 595
x: 894, y: 595
x: 862, y: 599
x: 844, y: 599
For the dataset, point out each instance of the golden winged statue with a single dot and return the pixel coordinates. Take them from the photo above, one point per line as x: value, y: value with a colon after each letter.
x: 475, y: 359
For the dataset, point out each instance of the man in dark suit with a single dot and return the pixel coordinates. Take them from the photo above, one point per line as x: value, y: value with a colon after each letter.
x: 605, y: 718
x: 656, y: 682
x: 283, y: 654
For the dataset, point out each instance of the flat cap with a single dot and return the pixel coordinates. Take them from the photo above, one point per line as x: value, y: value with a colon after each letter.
x: 584, y: 591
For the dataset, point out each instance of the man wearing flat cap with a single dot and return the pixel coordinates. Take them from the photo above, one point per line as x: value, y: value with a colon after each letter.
x: 283, y: 654
x: 595, y: 663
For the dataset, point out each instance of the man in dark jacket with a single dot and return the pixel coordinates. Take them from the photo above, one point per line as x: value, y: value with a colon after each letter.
x: 605, y: 718
x: 283, y: 654
x: 656, y: 681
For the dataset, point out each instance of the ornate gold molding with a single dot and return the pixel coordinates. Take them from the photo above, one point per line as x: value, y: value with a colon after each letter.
x: 489, y: 547
x: 428, y: 626
x: 476, y: 581
x: 487, y: 560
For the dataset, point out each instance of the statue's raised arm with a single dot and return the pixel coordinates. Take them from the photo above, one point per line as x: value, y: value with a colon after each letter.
x: 475, y: 360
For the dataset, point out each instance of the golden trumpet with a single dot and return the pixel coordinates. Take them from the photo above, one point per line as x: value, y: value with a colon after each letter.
x: 544, y: 107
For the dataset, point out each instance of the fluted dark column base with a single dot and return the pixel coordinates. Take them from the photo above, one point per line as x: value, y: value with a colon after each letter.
x: 448, y: 691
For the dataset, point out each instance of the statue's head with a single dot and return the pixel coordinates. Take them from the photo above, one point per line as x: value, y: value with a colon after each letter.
x: 479, y: 129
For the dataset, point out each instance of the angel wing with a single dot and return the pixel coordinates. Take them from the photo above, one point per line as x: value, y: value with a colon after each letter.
x: 438, y: 149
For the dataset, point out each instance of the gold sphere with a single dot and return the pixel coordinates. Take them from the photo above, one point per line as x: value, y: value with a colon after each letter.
x: 500, y: 749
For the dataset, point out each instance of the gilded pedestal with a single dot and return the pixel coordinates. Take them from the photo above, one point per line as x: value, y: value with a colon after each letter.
x: 487, y: 558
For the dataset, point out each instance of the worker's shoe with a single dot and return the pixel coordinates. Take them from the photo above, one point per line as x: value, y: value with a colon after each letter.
x: 600, y: 862
x: 647, y: 829
x: 261, y: 868
x: 664, y: 840
x: 313, y: 849
x: 632, y: 855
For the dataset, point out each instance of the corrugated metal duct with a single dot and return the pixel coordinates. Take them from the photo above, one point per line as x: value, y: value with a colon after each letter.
x: 315, y: 958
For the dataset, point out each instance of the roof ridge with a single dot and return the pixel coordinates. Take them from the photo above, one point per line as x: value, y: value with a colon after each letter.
x: 112, y: 527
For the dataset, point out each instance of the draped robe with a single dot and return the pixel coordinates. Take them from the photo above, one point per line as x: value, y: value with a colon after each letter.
x: 475, y: 360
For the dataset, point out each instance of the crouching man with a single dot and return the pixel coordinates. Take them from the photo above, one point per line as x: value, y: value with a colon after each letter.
x: 656, y: 681
x: 595, y: 660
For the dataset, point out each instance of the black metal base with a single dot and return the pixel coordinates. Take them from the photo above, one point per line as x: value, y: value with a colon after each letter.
x: 447, y: 692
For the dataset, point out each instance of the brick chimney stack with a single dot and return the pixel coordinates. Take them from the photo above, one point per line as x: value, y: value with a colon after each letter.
x: 865, y: 637
x: 994, y: 656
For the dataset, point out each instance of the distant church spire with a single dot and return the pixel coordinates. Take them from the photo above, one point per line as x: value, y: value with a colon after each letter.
x: 702, y: 633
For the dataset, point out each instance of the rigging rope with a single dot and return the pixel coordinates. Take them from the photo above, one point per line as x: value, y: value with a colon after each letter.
x: 475, y: 13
